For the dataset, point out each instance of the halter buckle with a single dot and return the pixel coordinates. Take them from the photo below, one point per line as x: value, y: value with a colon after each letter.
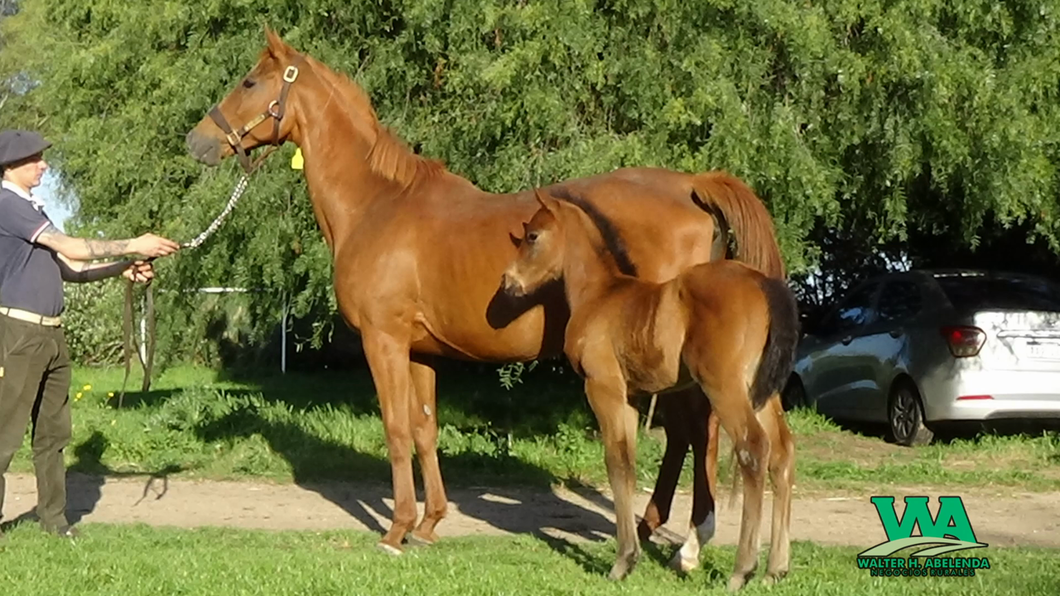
x: 290, y: 74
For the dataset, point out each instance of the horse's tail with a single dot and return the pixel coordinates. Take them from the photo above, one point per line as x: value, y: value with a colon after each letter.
x: 735, y: 205
x: 778, y: 355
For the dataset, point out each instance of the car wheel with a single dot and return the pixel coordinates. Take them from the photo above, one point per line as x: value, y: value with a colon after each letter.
x: 794, y: 395
x: 906, y: 416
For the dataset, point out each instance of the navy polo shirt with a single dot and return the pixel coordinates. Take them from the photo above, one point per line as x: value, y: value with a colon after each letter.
x: 30, y: 278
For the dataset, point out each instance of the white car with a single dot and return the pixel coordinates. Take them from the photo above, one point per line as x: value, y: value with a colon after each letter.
x: 918, y: 348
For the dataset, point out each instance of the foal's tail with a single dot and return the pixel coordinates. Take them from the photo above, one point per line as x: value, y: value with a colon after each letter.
x: 736, y: 206
x: 778, y: 355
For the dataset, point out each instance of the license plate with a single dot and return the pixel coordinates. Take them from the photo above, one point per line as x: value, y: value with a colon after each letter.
x: 1041, y: 351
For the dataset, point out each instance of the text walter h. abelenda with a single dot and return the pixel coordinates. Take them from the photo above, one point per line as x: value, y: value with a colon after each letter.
x: 923, y: 567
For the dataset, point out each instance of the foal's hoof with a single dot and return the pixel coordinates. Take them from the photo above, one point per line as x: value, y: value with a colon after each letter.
x: 389, y: 549
x: 773, y: 577
x: 736, y: 582
x: 623, y: 567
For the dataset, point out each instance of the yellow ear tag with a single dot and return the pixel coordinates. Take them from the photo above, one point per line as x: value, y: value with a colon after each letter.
x: 297, y: 161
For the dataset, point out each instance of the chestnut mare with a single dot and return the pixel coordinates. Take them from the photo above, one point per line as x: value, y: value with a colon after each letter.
x: 417, y: 251
x: 721, y: 325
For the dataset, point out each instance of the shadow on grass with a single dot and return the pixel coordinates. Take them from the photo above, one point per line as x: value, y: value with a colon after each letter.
x: 503, y: 491
x: 360, y: 483
x: 86, y: 477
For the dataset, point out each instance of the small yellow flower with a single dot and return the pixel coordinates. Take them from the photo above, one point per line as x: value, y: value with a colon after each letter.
x: 78, y: 396
x: 87, y: 388
x: 110, y: 394
x: 113, y: 422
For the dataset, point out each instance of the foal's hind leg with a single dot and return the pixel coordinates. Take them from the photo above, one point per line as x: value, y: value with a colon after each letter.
x: 425, y: 436
x: 782, y: 477
x: 733, y: 408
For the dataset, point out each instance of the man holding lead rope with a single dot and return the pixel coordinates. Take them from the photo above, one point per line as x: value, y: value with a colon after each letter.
x: 35, y: 368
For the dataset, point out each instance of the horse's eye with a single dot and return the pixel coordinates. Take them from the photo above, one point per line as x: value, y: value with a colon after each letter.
x: 531, y: 237
x: 248, y: 83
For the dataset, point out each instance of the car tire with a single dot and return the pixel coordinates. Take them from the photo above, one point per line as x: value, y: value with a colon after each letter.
x: 905, y: 416
x: 794, y: 395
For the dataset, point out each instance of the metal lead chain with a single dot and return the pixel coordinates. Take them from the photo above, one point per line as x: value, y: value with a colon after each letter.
x: 236, y: 193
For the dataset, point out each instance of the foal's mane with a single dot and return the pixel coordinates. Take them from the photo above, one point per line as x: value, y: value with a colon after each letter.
x: 608, y: 231
x: 388, y: 157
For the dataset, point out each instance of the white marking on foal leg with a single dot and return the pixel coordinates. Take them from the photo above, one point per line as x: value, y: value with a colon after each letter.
x: 426, y: 410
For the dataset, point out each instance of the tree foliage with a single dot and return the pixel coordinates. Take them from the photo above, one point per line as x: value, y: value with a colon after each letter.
x: 865, y: 120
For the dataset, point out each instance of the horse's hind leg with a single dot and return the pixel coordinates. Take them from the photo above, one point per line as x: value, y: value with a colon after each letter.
x: 425, y: 436
x: 618, y: 428
x: 782, y: 477
x: 751, y: 444
x: 703, y: 428
x: 675, y: 423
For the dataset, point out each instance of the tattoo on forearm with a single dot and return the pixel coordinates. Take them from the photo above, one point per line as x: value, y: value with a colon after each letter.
x: 105, y: 248
x: 94, y: 249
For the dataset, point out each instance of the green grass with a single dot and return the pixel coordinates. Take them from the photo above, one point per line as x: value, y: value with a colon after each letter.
x: 139, y: 560
x: 326, y: 426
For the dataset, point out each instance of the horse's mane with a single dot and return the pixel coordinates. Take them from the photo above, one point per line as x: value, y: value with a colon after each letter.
x: 388, y: 156
x: 608, y: 231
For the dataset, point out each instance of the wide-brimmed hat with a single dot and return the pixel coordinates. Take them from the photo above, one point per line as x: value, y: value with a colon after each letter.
x: 16, y: 145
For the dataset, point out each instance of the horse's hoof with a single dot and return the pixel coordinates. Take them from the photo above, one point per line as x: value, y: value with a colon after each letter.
x: 683, y: 564
x: 417, y: 540
x: 390, y: 549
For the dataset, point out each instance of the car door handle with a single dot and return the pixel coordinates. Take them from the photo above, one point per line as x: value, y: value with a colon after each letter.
x: 846, y: 340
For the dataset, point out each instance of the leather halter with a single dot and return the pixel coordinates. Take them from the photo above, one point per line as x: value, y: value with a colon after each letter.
x: 275, y: 110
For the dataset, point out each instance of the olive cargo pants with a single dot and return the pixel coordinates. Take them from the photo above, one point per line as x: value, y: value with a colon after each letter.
x: 35, y: 374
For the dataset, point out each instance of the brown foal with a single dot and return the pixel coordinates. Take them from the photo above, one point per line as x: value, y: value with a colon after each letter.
x: 721, y: 325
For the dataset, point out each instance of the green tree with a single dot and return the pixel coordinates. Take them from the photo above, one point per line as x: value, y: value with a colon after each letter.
x: 866, y: 121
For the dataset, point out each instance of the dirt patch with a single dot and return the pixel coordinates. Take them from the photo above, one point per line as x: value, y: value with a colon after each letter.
x: 1001, y: 516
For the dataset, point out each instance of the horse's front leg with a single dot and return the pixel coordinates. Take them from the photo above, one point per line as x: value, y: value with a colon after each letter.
x: 618, y: 426
x: 425, y: 436
x: 675, y: 425
x: 388, y: 358
x: 703, y: 430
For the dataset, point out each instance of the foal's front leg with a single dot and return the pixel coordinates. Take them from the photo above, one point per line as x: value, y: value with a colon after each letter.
x: 618, y: 426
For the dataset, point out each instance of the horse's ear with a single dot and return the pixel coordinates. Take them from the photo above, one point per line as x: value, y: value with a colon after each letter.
x: 276, y: 44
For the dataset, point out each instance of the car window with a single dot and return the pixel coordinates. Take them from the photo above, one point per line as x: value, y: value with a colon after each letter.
x: 855, y: 311
x: 1004, y: 292
x: 899, y: 300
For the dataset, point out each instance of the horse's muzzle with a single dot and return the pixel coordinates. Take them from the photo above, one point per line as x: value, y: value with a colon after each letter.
x: 204, y: 148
